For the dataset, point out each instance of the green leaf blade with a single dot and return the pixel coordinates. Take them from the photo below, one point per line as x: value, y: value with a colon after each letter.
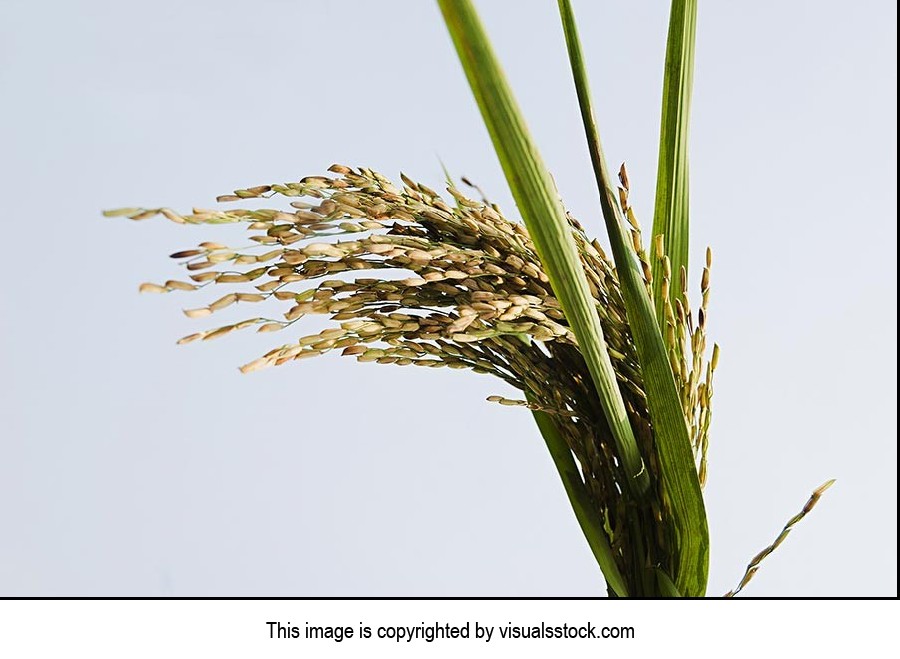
x: 671, y: 212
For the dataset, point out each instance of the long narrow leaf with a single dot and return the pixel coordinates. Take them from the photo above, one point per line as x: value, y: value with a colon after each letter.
x: 545, y: 218
x: 585, y: 513
x: 681, y: 486
x: 670, y: 216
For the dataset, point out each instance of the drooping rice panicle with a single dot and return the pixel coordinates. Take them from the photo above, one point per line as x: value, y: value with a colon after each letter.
x: 462, y: 288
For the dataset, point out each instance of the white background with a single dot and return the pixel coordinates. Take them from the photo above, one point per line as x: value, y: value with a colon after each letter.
x: 238, y: 628
x: 130, y: 466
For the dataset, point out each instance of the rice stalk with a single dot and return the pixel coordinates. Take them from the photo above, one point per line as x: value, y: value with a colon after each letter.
x: 610, y: 358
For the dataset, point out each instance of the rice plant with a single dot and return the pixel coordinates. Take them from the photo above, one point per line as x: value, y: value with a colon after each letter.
x: 608, y: 352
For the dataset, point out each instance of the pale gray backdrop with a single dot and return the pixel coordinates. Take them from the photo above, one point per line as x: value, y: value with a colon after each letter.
x: 130, y: 466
